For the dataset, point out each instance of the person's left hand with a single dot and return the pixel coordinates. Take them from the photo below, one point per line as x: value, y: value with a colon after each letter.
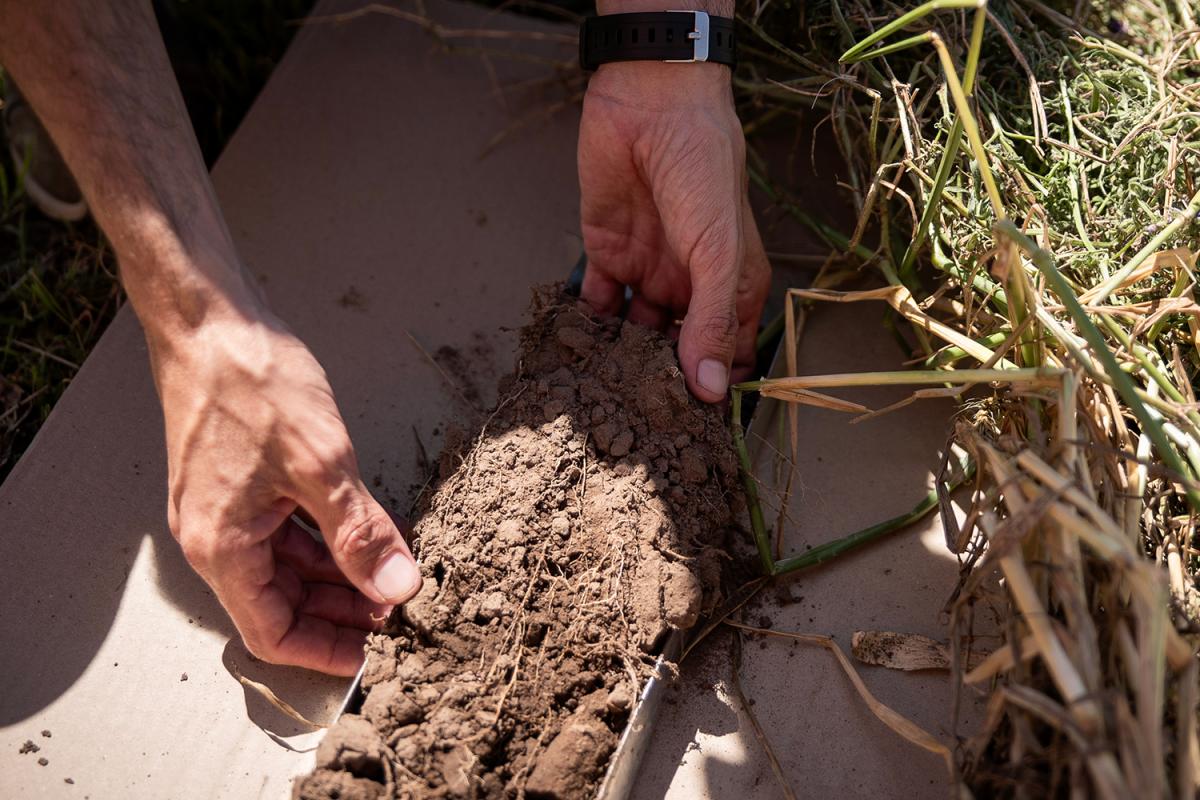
x: 662, y: 173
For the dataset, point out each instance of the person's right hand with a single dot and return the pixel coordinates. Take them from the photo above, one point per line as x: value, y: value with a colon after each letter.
x: 253, y: 434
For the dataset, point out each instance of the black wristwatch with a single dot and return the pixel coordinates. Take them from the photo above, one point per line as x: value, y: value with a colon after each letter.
x: 677, y: 36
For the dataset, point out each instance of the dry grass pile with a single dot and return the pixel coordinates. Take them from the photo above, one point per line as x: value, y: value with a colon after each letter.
x: 1027, y: 187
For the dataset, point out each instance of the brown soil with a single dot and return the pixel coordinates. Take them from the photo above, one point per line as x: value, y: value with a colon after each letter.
x: 585, y: 521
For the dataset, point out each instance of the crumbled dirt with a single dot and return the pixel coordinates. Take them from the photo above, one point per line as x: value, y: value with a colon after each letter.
x: 459, y: 370
x: 587, y: 519
x: 354, y: 299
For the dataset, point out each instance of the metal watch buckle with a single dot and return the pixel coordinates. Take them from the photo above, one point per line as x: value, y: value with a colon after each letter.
x: 698, y: 36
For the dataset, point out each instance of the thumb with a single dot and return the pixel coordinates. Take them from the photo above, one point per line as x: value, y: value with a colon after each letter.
x: 699, y: 205
x: 366, y: 544
x: 708, y: 337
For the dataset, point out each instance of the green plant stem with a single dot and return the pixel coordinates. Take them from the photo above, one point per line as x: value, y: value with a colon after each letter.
x: 900, y: 23
x: 769, y: 332
x: 903, y: 44
x: 952, y: 354
x: 950, y: 153
x: 970, y: 126
x: 831, y: 550
x: 1077, y: 180
x: 762, y: 539
x: 1031, y: 375
x: 1147, y: 360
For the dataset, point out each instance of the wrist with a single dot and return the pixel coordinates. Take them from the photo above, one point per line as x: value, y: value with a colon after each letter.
x: 185, y: 304
x: 653, y: 80
x: 224, y: 349
x: 655, y: 85
x: 178, y: 285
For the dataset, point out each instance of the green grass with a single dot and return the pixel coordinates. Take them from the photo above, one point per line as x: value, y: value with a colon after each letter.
x: 60, y: 292
x: 58, y: 282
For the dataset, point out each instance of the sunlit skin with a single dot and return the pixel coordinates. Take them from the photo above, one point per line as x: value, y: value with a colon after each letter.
x: 664, y: 212
x: 253, y: 431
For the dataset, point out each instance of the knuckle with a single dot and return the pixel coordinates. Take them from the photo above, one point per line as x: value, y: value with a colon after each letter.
x: 714, y: 247
x: 324, y: 466
x: 754, y: 279
x: 259, y: 649
x: 364, y: 536
x: 197, y: 548
x: 718, y: 328
x: 737, y: 144
x: 173, y: 522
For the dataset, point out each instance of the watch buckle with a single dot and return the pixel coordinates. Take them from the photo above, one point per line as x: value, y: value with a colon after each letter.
x: 698, y: 37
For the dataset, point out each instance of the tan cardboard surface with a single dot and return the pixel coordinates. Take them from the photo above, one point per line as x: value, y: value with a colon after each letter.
x: 355, y: 194
x: 849, y: 476
x: 355, y: 191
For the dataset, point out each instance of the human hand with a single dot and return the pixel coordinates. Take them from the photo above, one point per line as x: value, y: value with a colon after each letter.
x: 253, y: 434
x: 664, y: 211
x: 252, y: 429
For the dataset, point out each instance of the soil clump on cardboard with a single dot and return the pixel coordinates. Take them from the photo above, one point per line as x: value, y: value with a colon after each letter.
x: 586, y: 520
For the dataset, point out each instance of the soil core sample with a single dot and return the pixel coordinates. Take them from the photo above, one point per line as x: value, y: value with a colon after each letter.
x: 587, y: 519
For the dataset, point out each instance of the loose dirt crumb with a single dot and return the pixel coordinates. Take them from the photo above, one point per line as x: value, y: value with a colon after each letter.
x: 46, y: 734
x: 460, y: 370
x: 352, y: 298
x: 585, y: 521
x: 29, y: 747
x: 183, y: 677
x: 43, y: 761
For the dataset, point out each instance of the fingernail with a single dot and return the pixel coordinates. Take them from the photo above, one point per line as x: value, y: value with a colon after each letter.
x: 397, y: 578
x: 713, y: 376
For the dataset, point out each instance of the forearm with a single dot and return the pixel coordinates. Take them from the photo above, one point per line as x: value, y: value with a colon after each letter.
x: 98, y: 76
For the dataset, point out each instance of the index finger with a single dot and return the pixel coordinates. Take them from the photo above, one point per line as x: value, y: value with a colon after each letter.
x: 258, y: 592
x: 275, y: 631
x: 603, y: 293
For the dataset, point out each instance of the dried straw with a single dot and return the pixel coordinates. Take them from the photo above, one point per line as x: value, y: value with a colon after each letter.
x: 1028, y: 192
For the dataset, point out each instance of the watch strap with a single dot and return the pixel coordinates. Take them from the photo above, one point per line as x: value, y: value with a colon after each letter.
x: 681, y: 36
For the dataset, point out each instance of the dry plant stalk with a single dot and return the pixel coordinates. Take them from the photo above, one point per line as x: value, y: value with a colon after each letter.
x: 1028, y: 191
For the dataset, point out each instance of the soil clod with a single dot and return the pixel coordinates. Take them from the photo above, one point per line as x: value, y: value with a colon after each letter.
x: 565, y: 540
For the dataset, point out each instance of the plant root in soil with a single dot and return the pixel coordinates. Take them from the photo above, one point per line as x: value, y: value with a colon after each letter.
x: 586, y: 520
